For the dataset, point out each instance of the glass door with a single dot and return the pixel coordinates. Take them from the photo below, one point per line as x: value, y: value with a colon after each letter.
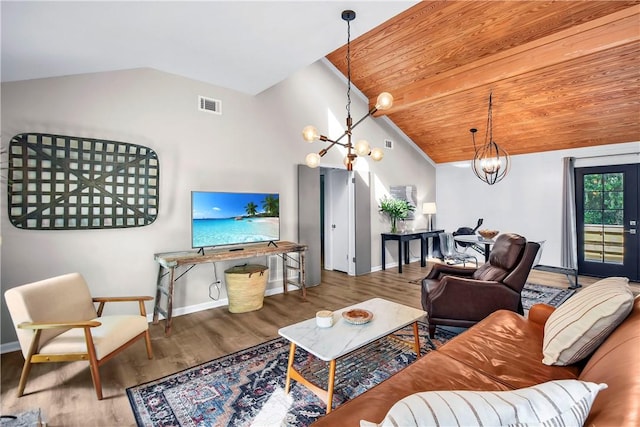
x: 607, y: 221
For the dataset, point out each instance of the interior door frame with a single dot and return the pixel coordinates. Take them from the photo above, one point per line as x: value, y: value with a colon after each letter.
x: 309, y: 221
x: 630, y: 266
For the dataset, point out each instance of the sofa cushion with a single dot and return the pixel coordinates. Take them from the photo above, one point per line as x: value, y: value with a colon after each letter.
x: 507, y: 250
x: 490, y: 272
x: 562, y: 402
x: 114, y: 330
x: 576, y: 328
x: 507, y: 347
x: 505, y: 254
x: 434, y: 371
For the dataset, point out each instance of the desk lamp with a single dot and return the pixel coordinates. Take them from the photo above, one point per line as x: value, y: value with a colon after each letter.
x: 429, y: 208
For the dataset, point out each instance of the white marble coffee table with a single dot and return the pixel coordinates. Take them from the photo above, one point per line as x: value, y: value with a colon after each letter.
x: 329, y: 344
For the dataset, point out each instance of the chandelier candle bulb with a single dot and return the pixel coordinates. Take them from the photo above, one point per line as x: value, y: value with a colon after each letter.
x: 362, y: 148
x: 310, y: 133
x: 384, y: 101
x: 324, y: 319
x: 312, y: 160
x: 377, y: 154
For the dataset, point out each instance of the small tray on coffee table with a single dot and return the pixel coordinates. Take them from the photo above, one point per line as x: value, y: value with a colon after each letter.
x: 357, y: 316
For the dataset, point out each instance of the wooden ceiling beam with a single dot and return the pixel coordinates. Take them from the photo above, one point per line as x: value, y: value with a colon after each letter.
x: 617, y: 29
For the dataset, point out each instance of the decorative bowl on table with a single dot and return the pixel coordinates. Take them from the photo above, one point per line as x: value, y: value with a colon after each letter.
x: 357, y: 316
x: 488, y: 234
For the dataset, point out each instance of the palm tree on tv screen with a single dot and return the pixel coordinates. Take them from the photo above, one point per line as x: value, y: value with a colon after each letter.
x: 251, y: 209
x: 271, y: 205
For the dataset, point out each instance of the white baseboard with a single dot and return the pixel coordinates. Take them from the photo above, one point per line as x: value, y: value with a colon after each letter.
x: 207, y: 305
x: 9, y: 347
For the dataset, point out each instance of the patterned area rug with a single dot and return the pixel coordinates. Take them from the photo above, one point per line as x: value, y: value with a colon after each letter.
x: 536, y: 294
x: 247, y: 388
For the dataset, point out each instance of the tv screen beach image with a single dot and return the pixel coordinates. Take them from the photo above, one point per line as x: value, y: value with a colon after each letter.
x: 220, y: 218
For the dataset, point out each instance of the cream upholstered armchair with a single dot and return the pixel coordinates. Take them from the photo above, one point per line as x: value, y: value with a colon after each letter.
x: 56, y: 321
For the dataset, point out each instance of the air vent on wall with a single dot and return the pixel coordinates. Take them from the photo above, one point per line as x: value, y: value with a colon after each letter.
x: 388, y: 144
x: 209, y: 105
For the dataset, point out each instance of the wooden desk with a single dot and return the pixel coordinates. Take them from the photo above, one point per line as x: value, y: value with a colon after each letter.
x: 403, y: 245
x: 168, y: 262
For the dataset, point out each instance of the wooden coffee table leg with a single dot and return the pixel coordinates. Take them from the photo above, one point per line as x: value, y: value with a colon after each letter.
x: 417, y: 339
x: 332, y: 377
x: 292, y: 354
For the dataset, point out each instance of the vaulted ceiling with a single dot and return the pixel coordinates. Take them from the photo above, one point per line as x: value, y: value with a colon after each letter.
x: 563, y: 74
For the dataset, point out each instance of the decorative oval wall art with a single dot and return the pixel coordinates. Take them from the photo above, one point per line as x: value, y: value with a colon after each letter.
x: 58, y: 182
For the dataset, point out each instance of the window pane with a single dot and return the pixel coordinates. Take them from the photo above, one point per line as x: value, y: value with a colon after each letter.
x: 614, y: 200
x: 613, y: 181
x: 612, y: 217
x: 603, y: 211
x: 593, y: 182
x: 593, y: 200
x: 593, y: 217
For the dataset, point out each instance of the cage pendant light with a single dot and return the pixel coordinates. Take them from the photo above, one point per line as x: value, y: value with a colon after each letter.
x: 490, y: 163
x: 360, y: 148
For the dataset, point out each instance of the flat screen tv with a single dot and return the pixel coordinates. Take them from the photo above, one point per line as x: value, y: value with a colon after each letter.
x: 222, y: 218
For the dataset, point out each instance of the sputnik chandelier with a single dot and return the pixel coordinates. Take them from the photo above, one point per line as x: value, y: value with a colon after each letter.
x: 361, y: 148
x: 490, y: 162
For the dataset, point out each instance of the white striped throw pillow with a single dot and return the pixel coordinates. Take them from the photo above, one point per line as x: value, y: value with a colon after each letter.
x: 554, y: 403
x: 578, y: 327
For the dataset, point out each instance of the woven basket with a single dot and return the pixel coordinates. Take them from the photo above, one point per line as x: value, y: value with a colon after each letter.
x: 245, y: 287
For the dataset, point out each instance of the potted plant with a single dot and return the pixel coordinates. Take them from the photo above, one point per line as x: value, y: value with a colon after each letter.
x: 397, y: 209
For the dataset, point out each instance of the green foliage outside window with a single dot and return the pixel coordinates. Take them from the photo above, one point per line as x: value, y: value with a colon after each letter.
x: 604, y: 199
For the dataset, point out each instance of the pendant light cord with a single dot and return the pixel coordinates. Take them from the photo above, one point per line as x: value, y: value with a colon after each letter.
x: 348, y: 68
x: 489, y: 131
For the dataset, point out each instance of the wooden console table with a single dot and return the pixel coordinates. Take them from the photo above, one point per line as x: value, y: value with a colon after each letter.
x: 403, y: 245
x: 168, y: 262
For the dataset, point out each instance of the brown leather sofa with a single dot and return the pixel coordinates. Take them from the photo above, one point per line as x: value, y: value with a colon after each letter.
x: 504, y: 352
x: 458, y: 296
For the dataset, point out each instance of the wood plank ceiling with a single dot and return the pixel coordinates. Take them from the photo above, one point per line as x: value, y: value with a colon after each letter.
x: 564, y: 74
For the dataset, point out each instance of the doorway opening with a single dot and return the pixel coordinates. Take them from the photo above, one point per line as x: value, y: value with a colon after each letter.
x: 345, y: 226
x: 336, y: 227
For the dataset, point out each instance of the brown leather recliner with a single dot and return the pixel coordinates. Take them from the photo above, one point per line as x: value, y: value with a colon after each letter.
x: 458, y: 296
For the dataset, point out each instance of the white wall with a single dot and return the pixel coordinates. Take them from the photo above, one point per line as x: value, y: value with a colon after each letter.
x: 254, y: 146
x: 528, y: 201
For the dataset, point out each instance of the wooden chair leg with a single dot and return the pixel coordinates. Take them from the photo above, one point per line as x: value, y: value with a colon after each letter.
x: 93, y: 362
x: 23, y: 377
x: 432, y: 330
x: 26, y: 368
x: 95, y: 376
x: 147, y: 339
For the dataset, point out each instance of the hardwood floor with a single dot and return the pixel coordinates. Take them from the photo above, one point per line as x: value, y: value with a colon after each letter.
x: 65, y: 393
